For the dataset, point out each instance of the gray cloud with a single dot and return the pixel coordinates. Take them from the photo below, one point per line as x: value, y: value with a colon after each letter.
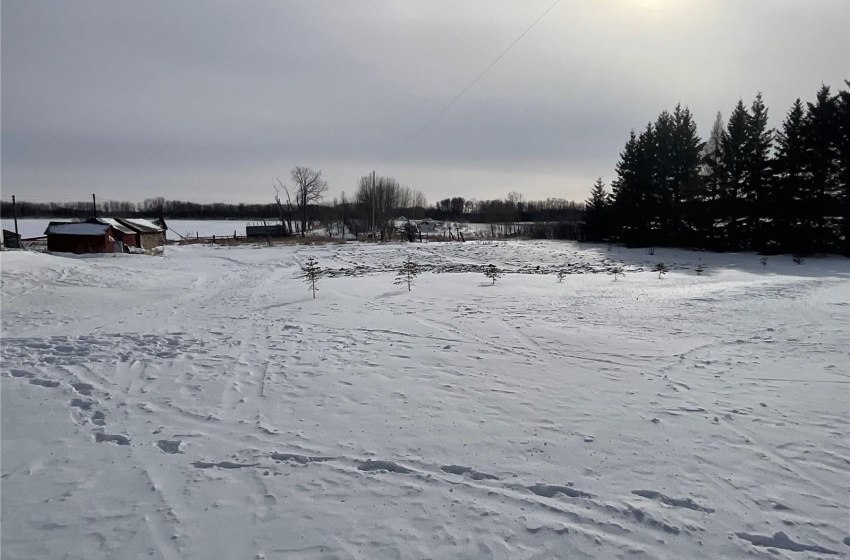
x: 212, y: 100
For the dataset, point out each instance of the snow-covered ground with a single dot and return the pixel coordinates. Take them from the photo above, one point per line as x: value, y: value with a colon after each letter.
x: 203, y: 405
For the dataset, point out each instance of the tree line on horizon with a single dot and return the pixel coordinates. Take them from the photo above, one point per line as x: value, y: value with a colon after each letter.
x: 747, y: 187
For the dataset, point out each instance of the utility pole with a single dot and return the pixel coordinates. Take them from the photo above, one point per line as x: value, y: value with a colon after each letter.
x: 343, y: 215
x: 374, y: 201
x: 94, y: 205
x: 15, y: 213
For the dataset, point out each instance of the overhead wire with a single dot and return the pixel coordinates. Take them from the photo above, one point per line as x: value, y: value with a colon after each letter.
x: 472, y: 83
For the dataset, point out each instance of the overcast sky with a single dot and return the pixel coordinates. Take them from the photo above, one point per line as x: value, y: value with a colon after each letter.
x: 211, y: 101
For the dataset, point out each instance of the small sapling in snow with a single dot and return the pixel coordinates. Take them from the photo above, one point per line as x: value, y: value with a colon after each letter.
x: 310, y: 274
x: 492, y: 272
x: 561, y: 274
x: 660, y: 268
x: 407, y: 274
x: 617, y: 271
x: 763, y: 262
x: 700, y: 269
x: 798, y: 259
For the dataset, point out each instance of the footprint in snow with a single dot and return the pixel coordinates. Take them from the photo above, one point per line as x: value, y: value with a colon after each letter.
x: 111, y: 438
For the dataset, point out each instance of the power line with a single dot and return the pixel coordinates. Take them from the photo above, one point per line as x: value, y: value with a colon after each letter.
x: 472, y: 83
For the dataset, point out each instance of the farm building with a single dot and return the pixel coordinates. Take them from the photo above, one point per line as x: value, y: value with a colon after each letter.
x: 266, y: 230
x: 80, y: 237
x: 123, y: 234
x: 148, y: 234
x: 11, y: 239
x: 430, y: 226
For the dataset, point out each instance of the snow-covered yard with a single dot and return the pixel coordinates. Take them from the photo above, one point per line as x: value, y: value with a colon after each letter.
x: 203, y: 405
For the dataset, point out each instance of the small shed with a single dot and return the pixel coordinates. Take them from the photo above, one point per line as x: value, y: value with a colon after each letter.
x: 430, y: 226
x: 122, y: 233
x: 11, y: 240
x: 266, y: 230
x: 148, y: 234
x: 80, y: 237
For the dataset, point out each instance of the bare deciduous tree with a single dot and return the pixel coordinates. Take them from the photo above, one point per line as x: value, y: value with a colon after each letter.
x: 309, y: 189
x: 285, y: 218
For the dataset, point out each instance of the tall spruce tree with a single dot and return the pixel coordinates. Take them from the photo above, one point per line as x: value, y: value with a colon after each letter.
x: 822, y: 189
x: 789, y: 167
x: 625, y: 191
x: 596, y: 213
x: 756, y: 189
x: 843, y: 113
x: 711, y: 173
x: 734, y: 143
x: 685, y: 180
x: 648, y: 210
x: 663, y: 190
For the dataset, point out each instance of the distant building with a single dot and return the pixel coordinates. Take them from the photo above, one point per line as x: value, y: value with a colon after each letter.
x: 11, y: 240
x: 148, y: 234
x: 266, y: 230
x: 80, y: 237
x: 430, y: 226
x: 123, y: 234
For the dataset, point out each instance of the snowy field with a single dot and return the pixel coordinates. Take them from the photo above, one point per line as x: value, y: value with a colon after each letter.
x: 203, y: 405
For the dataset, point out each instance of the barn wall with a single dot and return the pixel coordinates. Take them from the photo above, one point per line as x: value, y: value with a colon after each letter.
x: 128, y: 239
x: 150, y: 240
x: 80, y: 244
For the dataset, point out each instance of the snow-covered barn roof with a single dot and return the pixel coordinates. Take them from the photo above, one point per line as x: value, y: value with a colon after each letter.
x: 71, y: 228
x: 116, y: 225
x: 140, y: 225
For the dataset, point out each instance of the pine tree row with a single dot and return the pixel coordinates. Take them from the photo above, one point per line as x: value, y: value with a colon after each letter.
x: 748, y: 187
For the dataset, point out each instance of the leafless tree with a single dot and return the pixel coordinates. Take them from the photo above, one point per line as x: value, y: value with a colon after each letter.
x: 380, y: 199
x: 287, y: 219
x: 309, y: 189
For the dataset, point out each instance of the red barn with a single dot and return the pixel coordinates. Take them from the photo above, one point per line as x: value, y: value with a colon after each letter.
x: 80, y: 238
x: 122, y: 233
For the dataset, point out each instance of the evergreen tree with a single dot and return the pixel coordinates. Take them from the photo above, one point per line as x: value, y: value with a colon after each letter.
x: 657, y: 181
x: 734, y: 143
x: 662, y: 188
x: 843, y: 201
x: 789, y: 175
x: 596, y: 213
x: 492, y: 272
x: 711, y: 184
x: 647, y: 212
x: 756, y: 195
x: 310, y: 273
x: 407, y: 273
x: 685, y: 180
x: 822, y: 190
x: 625, y: 190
